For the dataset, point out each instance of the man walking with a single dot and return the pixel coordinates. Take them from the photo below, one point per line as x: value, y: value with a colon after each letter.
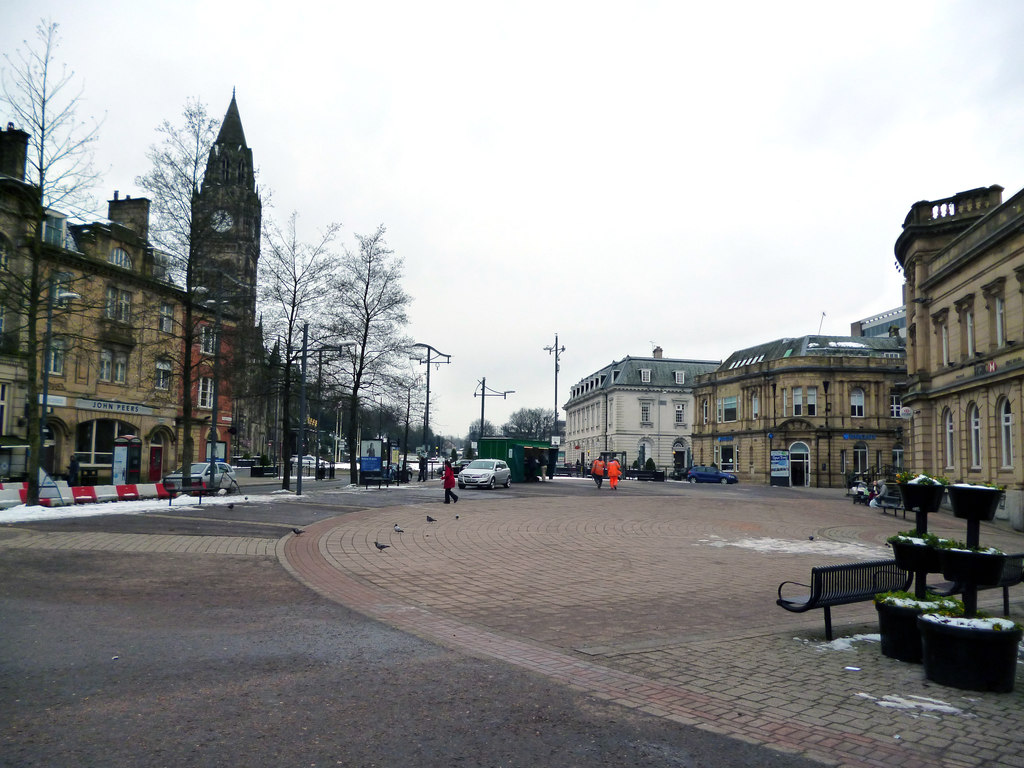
x: 614, y: 472
x: 597, y: 471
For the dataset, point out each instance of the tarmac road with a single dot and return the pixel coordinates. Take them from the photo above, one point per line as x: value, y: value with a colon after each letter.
x: 159, y: 658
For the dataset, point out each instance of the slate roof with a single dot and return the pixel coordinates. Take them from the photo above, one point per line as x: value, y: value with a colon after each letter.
x: 815, y: 346
x: 231, y: 128
x: 663, y: 373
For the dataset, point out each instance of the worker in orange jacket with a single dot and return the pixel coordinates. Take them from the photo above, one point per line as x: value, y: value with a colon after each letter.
x: 597, y: 471
x: 614, y: 473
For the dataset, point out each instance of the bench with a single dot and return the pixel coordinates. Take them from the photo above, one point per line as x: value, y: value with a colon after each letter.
x: 566, y: 471
x: 893, y: 501
x: 645, y: 474
x: 844, y: 584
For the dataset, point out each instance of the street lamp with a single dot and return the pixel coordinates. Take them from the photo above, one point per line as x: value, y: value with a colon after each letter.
x: 428, y: 361
x: 54, y: 296
x: 483, y: 394
x: 556, y: 351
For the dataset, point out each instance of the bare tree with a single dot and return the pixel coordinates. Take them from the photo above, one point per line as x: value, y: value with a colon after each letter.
x: 43, y: 100
x: 179, y: 228
x: 371, y: 312
x: 295, y: 288
x: 533, y: 423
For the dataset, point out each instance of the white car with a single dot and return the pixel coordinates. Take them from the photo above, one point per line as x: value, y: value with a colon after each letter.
x: 485, y: 473
x: 200, y: 472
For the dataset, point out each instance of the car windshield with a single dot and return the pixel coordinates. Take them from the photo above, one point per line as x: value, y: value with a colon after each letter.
x: 481, y: 464
x: 199, y: 467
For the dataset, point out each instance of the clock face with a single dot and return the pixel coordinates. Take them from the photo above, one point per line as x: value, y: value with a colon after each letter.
x: 222, y: 221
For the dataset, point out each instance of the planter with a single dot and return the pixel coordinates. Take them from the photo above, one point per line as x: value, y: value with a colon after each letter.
x: 901, y: 639
x: 925, y: 498
x: 981, y: 569
x: 974, y: 502
x: 916, y: 558
x: 963, y: 654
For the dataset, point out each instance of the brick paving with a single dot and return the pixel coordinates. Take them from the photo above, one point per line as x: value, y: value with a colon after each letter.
x: 243, y: 546
x: 666, y: 604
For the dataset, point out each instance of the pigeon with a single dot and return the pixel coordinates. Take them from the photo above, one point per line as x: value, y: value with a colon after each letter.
x: 298, y: 531
x: 231, y: 505
x: 380, y: 546
x: 430, y: 519
x: 399, y: 529
x: 456, y: 517
x: 810, y: 538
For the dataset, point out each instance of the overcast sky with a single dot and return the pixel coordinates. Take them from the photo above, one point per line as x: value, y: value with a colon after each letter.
x: 702, y: 177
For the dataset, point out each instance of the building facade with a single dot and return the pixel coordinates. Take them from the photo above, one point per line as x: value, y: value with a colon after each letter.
x: 811, y: 411
x: 638, y: 406
x: 963, y: 261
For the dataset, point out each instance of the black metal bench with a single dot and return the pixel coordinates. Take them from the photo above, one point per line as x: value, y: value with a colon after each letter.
x: 844, y: 584
x: 893, y: 501
x: 645, y: 474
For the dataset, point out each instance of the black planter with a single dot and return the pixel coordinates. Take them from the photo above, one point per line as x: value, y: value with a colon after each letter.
x: 901, y: 639
x: 916, y: 558
x: 974, y: 503
x: 918, y: 496
x: 968, y: 567
x: 973, y: 659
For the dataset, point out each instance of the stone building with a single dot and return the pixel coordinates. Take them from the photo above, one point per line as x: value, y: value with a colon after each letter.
x: 963, y: 261
x: 814, y: 410
x: 638, y: 406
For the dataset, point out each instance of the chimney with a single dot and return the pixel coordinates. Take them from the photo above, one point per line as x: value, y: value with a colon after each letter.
x: 658, y: 353
x: 131, y: 214
x: 13, y: 152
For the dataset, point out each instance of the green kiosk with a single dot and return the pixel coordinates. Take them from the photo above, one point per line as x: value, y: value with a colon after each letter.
x: 516, y: 453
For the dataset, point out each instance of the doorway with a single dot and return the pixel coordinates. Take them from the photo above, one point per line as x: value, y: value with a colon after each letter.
x: 799, y: 465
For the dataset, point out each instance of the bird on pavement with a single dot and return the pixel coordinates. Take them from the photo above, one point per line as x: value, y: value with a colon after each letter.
x: 430, y: 519
x: 298, y: 531
x: 231, y: 505
x: 399, y: 529
x: 380, y: 546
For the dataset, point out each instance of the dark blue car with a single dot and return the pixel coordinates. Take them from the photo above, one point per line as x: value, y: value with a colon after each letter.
x: 699, y: 474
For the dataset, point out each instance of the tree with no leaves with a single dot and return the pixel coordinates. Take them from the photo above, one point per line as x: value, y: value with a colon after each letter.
x: 43, y: 102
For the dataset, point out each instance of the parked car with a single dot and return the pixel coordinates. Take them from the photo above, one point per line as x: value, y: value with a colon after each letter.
x: 485, y: 473
x: 701, y: 474
x: 307, y: 461
x: 461, y: 464
x: 200, y: 472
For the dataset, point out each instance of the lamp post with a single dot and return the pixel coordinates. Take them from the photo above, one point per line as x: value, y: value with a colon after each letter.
x: 428, y: 361
x: 483, y: 394
x: 557, y: 352
x: 54, y: 295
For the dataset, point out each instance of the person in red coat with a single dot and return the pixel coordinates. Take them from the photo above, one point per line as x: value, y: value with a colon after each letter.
x: 449, y: 484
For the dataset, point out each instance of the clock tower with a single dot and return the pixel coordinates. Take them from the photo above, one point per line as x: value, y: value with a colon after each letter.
x: 227, y: 213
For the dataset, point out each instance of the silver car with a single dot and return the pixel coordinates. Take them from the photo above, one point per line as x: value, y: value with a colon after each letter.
x: 200, y: 472
x: 485, y: 473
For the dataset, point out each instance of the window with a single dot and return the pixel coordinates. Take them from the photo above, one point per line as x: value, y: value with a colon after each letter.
x: 3, y: 408
x: 61, y: 284
x: 727, y: 408
x: 969, y: 326
x: 119, y: 305
x: 645, y: 375
x: 207, y: 340
x: 120, y: 368
x: 895, y: 406
x: 704, y: 411
x: 55, y: 357
x: 1005, y: 433
x: 106, y: 365
x: 897, y: 456
x: 94, y: 440
x: 812, y: 401
x: 680, y: 377
x: 754, y: 406
x: 5, y: 251
x: 206, y: 392
x: 645, y: 413
x: 948, y: 442
x: 53, y: 230
x: 680, y: 414
x: 974, y: 425
x: 944, y: 330
x: 860, y: 457
x: 119, y: 258
x: 1000, y: 318
x: 857, y: 403
x: 798, y: 401
x: 727, y: 456
x: 162, y: 380
x: 785, y: 402
x: 167, y: 318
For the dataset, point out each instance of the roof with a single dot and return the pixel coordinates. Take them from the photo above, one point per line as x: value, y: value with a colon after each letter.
x: 231, y: 128
x: 627, y: 372
x: 815, y: 346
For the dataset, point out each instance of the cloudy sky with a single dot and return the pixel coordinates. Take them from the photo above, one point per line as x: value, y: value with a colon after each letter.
x: 697, y: 176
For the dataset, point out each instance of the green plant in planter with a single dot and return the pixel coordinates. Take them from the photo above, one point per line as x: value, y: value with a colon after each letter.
x: 913, y: 537
x: 906, y: 477
x: 932, y: 603
x: 959, y: 545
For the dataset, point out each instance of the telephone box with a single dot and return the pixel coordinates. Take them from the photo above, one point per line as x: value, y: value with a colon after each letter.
x: 127, y: 465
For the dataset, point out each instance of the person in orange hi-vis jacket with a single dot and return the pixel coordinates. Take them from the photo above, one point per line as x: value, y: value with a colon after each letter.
x: 614, y: 472
x: 597, y: 471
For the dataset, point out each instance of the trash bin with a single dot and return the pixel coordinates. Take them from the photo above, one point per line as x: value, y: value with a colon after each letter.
x: 321, y: 472
x: 89, y: 476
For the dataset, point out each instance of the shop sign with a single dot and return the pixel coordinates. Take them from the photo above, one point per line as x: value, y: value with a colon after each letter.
x: 109, y: 406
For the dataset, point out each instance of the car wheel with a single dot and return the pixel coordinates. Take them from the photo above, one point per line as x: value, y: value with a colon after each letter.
x: 508, y: 481
x: 462, y: 486
x: 725, y: 481
x: 490, y: 483
x: 693, y: 480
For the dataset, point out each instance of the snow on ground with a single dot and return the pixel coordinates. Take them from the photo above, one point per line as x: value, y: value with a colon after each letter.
x: 808, y: 547
x: 26, y: 514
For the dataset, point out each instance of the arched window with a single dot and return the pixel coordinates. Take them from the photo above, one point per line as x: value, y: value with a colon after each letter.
x: 241, y: 171
x: 1005, y: 432
x: 947, y: 438
x: 5, y: 251
x: 897, y: 456
x: 119, y: 257
x: 857, y: 402
x: 974, y: 427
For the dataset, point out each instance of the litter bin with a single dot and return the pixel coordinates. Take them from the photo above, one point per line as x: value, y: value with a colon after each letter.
x: 89, y: 476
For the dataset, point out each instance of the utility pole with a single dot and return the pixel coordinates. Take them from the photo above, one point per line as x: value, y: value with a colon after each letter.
x: 483, y: 394
x: 428, y: 361
x: 557, y: 352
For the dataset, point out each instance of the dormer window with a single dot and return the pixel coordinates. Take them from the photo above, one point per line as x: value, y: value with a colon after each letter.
x: 645, y: 375
x: 680, y: 377
x: 53, y: 230
x: 119, y: 258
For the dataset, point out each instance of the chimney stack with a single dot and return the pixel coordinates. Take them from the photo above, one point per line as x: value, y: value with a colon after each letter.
x: 13, y: 152
x: 131, y: 214
x: 658, y: 353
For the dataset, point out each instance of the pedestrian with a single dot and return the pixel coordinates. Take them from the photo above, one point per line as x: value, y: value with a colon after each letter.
x: 449, y: 484
x: 579, y: 467
x: 73, y: 470
x: 423, y: 469
x: 597, y: 471
x: 880, y: 491
x: 614, y: 472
